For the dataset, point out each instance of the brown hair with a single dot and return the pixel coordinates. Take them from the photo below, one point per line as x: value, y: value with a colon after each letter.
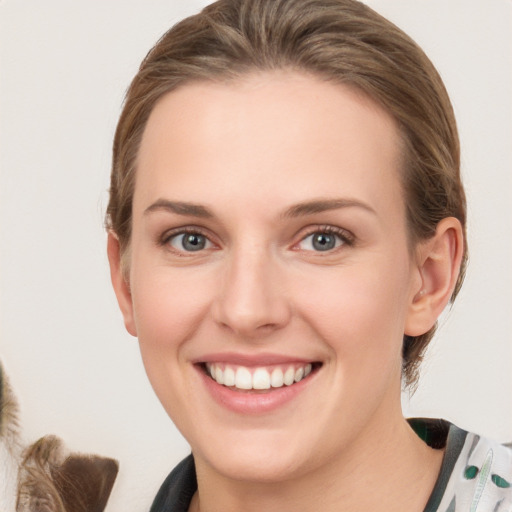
x: 339, y: 40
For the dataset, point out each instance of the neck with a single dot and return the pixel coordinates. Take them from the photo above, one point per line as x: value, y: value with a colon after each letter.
x: 388, y: 468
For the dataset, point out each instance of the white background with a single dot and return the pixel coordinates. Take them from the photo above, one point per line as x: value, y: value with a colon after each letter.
x: 64, y: 68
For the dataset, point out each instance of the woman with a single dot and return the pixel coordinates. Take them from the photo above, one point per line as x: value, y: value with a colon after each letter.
x: 286, y: 224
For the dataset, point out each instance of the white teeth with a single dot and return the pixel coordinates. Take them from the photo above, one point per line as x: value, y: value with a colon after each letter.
x: 245, y: 378
x: 229, y: 376
x: 261, y: 379
x: 289, y: 376
x: 277, y: 378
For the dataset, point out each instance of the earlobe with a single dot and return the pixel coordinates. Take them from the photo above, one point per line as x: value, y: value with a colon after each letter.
x: 439, y: 260
x: 120, y: 283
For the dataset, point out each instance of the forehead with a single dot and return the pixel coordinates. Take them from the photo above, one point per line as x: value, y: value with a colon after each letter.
x: 268, y: 132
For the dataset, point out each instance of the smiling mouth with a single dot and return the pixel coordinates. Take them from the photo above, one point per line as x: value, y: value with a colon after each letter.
x: 261, y: 379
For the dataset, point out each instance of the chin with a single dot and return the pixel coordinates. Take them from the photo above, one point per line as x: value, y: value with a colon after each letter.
x: 263, y: 457
x: 257, y: 469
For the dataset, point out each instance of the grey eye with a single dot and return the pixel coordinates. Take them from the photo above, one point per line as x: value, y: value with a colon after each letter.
x: 190, y: 242
x: 321, y: 241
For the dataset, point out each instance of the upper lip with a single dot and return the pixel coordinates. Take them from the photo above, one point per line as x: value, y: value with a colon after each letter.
x: 239, y: 359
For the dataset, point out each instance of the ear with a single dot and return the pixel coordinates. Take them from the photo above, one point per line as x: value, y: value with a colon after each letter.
x: 84, y: 482
x: 50, y: 480
x: 120, y: 283
x: 438, y: 259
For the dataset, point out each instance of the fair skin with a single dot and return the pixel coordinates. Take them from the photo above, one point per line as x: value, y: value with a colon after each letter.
x: 269, y: 232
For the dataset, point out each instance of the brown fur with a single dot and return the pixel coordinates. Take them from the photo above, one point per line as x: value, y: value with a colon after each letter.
x: 9, y: 426
x: 49, y: 478
x: 51, y: 481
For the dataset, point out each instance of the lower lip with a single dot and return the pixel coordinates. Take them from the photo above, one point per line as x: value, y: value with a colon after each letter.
x: 254, y: 402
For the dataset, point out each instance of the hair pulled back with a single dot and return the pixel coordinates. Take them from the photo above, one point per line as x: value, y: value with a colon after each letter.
x: 338, y: 40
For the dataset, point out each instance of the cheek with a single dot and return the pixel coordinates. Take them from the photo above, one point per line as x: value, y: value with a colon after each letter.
x: 169, y: 308
x: 359, y: 310
x: 169, y: 305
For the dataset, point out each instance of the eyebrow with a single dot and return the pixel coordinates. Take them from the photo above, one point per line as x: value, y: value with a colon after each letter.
x: 298, y: 210
x: 323, y: 205
x: 180, y: 208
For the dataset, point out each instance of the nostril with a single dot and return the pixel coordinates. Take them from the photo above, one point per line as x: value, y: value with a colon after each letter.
x: 267, y: 327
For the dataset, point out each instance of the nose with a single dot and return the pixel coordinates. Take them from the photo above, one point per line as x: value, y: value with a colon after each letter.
x: 251, y: 301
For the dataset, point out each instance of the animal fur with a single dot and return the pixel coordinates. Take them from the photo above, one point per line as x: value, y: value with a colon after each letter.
x: 10, y: 446
x: 45, y: 477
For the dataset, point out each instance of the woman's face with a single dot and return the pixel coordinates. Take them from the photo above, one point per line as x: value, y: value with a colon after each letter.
x: 269, y: 245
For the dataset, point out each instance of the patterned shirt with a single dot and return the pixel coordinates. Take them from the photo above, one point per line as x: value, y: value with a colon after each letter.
x: 476, y: 473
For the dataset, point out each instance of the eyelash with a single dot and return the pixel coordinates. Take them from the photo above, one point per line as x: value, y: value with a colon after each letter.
x: 346, y: 237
